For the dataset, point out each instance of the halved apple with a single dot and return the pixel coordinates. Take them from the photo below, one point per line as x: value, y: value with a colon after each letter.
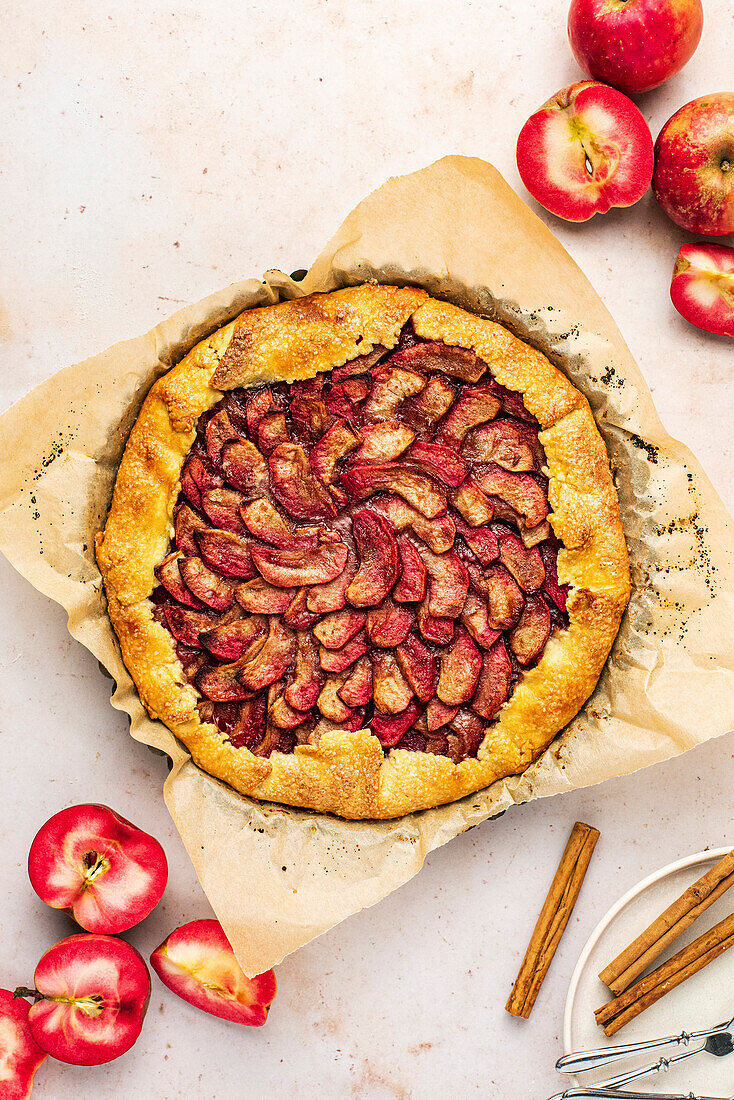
x: 702, y: 288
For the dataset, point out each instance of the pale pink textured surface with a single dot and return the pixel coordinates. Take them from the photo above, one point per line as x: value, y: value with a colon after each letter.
x: 146, y: 159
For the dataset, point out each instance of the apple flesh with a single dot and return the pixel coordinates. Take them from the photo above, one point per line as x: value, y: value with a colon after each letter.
x: 197, y: 963
x: 20, y: 1054
x: 107, y: 874
x: 91, y: 996
x: 694, y: 165
x: 702, y: 289
x: 586, y: 150
x: 635, y: 45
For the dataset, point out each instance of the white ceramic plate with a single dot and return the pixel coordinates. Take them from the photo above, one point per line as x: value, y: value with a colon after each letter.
x: 705, y: 999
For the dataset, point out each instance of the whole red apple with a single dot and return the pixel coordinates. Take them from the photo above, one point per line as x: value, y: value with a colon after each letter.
x: 634, y: 44
x: 585, y: 150
x: 694, y: 165
x: 702, y: 288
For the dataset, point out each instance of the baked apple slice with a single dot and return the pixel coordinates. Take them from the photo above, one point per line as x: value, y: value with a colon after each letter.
x: 260, y: 598
x: 440, y: 631
x: 219, y: 430
x: 427, y: 407
x: 169, y: 575
x: 323, y: 598
x: 197, y: 963
x: 20, y: 1054
x: 338, y: 628
x: 526, y: 566
x: 295, y: 568
x: 383, y: 442
x: 511, y: 444
x: 344, y: 397
x: 439, y: 461
x: 390, y: 689
x: 558, y: 593
x: 528, y: 638
x: 208, y: 587
x: 495, y: 681
x: 437, y: 356
x: 227, y: 553
x: 475, y: 618
x: 280, y: 712
x: 520, y: 491
x: 474, y: 505
x: 267, y: 525
x: 104, y: 871
x: 337, y: 660
x: 388, y: 625
x: 245, y: 468
x: 419, y: 667
x: 504, y: 597
x: 308, y: 679
x: 411, y: 588
x: 418, y: 490
x: 198, y: 476
x: 470, y: 729
x: 186, y: 522
x: 186, y: 624
x: 297, y: 615
x: 438, y: 534
x: 308, y: 411
x: 461, y: 665
x: 448, y: 583
x: 482, y: 541
x: 271, y: 432
x: 271, y: 661
x: 339, y: 441
x: 258, y: 404
x: 389, y: 390
x: 295, y: 485
x: 475, y: 406
x: 356, y: 691
x: 91, y: 993
x: 228, y: 641
x: 250, y: 726
x: 222, y: 684
x: 379, y: 559
x: 329, y: 702
x: 439, y: 714
x: 222, y: 508
x: 389, y: 729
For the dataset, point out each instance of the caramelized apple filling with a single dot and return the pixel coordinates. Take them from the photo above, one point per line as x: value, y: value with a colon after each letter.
x: 367, y: 548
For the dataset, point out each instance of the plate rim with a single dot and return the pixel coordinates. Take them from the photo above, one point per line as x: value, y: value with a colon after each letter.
x: 703, y: 856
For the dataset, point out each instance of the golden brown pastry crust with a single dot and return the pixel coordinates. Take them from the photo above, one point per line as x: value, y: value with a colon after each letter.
x: 346, y: 773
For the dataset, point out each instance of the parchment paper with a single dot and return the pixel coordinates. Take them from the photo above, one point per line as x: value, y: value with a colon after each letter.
x: 278, y: 877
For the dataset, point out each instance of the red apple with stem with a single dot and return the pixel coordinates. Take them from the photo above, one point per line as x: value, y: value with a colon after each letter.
x: 20, y: 1054
x: 585, y: 150
x: 90, y: 998
x: 694, y: 165
x: 102, y: 869
x: 702, y: 288
x: 634, y: 44
x: 198, y: 964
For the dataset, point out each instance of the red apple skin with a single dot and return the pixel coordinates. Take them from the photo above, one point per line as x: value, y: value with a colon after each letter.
x: 197, y: 963
x: 94, y: 996
x: 635, y: 45
x: 20, y: 1054
x: 102, y: 869
x: 694, y: 165
x: 702, y: 288
x: 585, y: 126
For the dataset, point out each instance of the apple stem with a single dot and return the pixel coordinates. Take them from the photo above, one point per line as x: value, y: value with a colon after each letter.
x: 24, y: 991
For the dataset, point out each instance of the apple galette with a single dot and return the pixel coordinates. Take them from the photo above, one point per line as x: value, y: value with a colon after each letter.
x: 364, y: 553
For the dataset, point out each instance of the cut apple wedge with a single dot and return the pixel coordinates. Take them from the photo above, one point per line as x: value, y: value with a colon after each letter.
x: 438, y: 534
x: 475, y: 406
x: 475, y: 618
x: 702, y: 288
x: 520, y: 491
x: 169, y: 575
x: 494, y: 683
x: 503, y: 595
x: 482, y: 541
x: 338, y: 628
x: 528, y: 638
x: 337, y: 660
x: 20, y: 1054
x: 461, y: 664
x: 104, y: 871
x: 448, y: 583
x: 411, y: 588
x: 335, y: 444
x: 228, y: 641
x: 389, y: 390
x: 390, y: 689
x: 295, y: 485
x: 308, y: 679
x: 92, y: 994
x: 383, y: 442
x: 197, y: 963
x: 388, y: 625
x: 245, y: 468
x: 427, y: 407
x: 419, y: 667
x: 271, y: 432
x: 418, y: 490
x: 227, y: 553
x: 510, y: 444
x: 474, y: 505
x: 439, y: 461
x: 260, y: 598
x: 186, y: 522
x: 265, y: 522
x: 379, y: 559
x: 209, y: 588
x: 440, y: 631
x: 525, y: 565
x: 356, y: 691
x: 389, y: 729
x: 222, y: 508
x: 294, y: 568
x: 271, y: 661
x: 437, y: 356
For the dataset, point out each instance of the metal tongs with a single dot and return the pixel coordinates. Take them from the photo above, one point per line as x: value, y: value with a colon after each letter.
x: 715, y: 1040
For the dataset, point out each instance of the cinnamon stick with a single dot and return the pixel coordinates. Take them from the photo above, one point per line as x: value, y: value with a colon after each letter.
x: 689, y: 961
x: 554, y: 917
x: 630, y: 963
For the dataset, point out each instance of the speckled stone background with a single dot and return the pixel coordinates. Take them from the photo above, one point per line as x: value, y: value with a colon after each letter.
x: 147, y: 157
